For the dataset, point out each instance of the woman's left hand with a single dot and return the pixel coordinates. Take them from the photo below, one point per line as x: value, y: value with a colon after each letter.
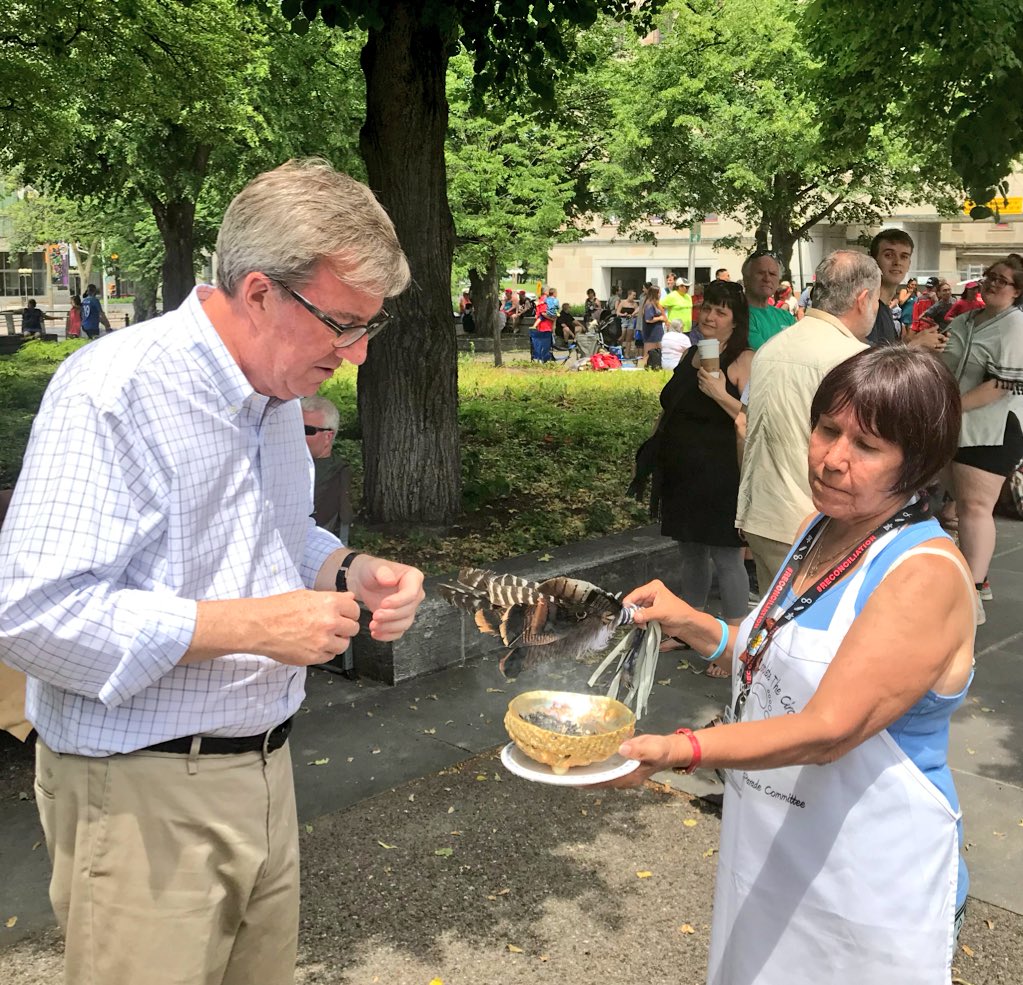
x: 656, y: 753
x: 713, y: 386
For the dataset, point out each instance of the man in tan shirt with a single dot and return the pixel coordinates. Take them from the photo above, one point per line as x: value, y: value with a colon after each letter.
x: 774, y: 491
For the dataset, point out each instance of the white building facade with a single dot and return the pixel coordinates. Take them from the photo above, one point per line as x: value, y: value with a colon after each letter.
x: 955, y: 248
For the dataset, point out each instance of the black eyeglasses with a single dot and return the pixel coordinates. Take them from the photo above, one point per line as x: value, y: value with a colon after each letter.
x: 344, y: 335
x: 995, y: 280
x: 310, y: 430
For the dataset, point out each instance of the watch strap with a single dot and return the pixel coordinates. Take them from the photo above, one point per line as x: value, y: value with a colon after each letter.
x: 341, y: 581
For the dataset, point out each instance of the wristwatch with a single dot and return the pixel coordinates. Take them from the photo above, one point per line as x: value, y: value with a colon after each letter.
x: 341, y: 581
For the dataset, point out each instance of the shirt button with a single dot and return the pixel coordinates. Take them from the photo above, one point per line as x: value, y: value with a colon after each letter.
x: 273, y: 569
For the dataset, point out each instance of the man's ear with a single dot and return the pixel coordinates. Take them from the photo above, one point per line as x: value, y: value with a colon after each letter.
x: 253, y: 293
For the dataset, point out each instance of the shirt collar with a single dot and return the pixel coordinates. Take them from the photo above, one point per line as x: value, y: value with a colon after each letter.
x: 831, y: 320
x: 213, y: 356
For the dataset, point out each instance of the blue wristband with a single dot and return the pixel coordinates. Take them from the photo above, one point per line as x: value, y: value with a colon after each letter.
x: 724, y: 641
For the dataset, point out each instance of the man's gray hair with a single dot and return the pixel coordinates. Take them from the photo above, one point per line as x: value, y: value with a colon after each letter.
x: 286, y: 221
x: 321, y: 405
x: 841, y: 276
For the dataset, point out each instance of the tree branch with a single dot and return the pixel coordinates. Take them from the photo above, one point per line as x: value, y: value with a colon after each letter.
x: 819, y: 217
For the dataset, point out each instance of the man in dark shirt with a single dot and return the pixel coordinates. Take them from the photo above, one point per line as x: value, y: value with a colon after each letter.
x: 92, y: 313
x: 32, y: 318
x: 935, y: 314
x: 892, y: 250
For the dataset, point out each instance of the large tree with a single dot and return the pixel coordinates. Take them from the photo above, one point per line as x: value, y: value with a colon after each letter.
x: 170, y: 102
x: 408, y: 400
x: 510, y: 188
x: 951, y: 70
x: 724, y: 114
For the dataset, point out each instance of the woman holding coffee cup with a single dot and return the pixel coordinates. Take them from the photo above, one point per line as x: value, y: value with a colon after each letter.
x: 698, y: 464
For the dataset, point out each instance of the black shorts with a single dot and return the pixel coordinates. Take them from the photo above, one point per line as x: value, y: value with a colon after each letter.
x: 998, y: 459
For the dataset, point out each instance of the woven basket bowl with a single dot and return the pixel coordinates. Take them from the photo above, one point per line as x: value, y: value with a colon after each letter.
x: 610, y: 721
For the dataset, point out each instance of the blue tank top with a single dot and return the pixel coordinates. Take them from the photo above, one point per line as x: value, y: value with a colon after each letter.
x: 922, y: 732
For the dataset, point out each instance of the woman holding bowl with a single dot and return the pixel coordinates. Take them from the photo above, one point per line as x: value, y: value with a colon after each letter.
x: 985, y: 352
x: 699, y: 468
x: 840, y: 840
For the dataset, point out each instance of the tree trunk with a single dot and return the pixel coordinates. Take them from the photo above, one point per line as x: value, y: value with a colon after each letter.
x: 783, y: 242
x: 176, y: 221
x: 408, y: 386
x: 85, y: 263
x: 483, y: 286
x: 760, y: 235
x: 145, y: 300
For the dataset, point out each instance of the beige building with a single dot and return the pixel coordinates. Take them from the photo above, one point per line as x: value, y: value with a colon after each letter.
x: 956, y: 248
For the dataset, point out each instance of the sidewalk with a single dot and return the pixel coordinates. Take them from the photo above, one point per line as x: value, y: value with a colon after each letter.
x: 549, y: 871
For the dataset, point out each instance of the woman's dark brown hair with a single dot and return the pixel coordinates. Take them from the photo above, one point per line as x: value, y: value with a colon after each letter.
x: 728, y: 295
x: 903, y: 395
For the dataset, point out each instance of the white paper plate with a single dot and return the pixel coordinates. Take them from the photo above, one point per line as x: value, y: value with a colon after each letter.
x: 517, y: 762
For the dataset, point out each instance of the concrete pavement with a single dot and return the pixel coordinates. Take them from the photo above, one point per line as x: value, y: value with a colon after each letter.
x: 388, y: 750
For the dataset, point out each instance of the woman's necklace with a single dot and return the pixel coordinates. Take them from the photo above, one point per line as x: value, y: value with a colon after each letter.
x: 816, y: 563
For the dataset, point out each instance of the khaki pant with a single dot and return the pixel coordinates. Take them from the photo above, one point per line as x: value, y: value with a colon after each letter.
x: 173, y: 869
x: 12, y: 703
x: 768, y: 555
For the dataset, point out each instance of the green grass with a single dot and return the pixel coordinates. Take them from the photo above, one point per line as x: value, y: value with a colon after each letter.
x: 546, y: 458
x: 546, y: 453
x: 23, y: 378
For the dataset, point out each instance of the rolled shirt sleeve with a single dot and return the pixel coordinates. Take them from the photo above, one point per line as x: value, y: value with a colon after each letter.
x: 320, y: 544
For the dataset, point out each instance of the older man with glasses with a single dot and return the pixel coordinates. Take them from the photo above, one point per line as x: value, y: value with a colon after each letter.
x: 166, y: 605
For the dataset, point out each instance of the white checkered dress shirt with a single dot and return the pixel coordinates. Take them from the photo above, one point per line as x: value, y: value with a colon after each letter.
x: 155, y: 477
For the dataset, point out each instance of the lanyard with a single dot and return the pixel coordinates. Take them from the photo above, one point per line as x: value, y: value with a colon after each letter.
x: 769, y: 620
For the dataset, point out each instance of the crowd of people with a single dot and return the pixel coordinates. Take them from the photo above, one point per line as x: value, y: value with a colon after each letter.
x: 165, y: 606
x: 857, y: 453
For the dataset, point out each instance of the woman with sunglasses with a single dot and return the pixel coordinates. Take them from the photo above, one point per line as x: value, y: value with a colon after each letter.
x: 840, y: 846
x: 985, y: 353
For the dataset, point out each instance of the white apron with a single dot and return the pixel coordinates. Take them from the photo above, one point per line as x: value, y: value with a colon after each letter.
x: 841, y: 874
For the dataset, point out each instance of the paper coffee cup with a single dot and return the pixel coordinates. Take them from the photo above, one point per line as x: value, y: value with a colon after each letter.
x: 710, y: 354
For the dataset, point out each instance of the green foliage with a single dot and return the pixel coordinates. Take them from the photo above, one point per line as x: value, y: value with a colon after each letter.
x: 162, y: 105
x: 739, y: 130
x: 951, y: 71
x: 546, y: 458
x: 23, y: 379
x: 89, y: 224
x: 518, y: 46
x: 547, y: 454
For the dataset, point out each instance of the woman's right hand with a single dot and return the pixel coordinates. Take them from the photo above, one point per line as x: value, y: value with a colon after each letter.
x: 656, y: 602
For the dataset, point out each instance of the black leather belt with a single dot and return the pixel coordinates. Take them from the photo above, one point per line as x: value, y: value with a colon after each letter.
x: 213, y: 745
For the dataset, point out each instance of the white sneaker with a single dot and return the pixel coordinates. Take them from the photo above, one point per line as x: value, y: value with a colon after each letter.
x: 981, y: 614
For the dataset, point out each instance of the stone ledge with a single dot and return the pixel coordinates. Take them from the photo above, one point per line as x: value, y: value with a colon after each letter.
x: 443, y: 636
x: 485, y: 343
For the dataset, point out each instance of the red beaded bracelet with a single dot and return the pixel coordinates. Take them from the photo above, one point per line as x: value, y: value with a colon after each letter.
x: 697, y: 751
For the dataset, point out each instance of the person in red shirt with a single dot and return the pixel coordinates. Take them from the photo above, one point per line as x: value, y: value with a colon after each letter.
x: 541, y: 336
x: 971, y: 299
x: 928, y: 296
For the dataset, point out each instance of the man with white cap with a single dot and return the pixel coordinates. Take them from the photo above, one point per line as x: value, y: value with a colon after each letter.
x: 678, y: 305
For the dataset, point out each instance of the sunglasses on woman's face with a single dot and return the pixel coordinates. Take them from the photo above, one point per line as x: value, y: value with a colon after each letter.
x: 310, y: 430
